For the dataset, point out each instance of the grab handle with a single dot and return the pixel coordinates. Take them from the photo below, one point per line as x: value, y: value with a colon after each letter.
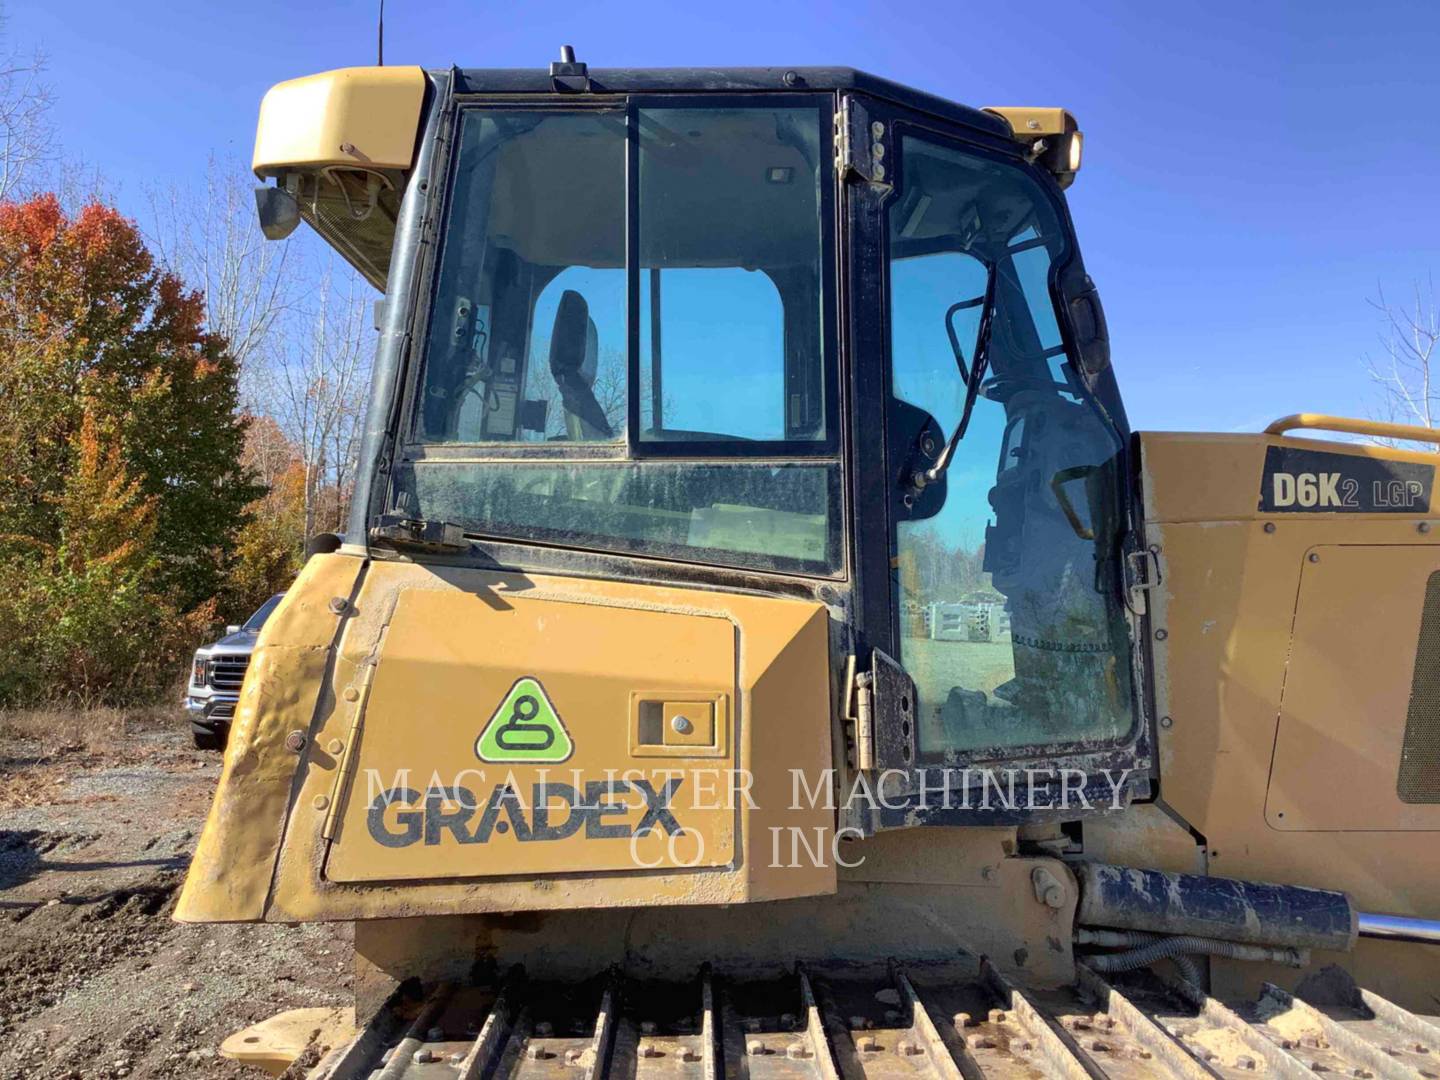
x: 1350, y: 426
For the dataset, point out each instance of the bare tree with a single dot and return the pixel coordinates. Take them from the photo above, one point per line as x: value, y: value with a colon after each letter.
x: 27, y: 136
x: 315, y: 389
x: 296, y: 322
x: 1405, y: 372
x: 209, y: 238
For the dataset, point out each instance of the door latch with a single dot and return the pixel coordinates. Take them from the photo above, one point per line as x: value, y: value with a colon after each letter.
x: 1142, y: 573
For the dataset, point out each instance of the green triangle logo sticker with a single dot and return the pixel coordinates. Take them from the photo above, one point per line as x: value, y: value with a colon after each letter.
x: 525, y: 728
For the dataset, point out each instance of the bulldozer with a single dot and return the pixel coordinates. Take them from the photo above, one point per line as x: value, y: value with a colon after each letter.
x: 624, y: 722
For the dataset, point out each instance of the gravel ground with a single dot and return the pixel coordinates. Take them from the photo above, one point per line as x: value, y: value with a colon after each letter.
x: 95, y: 978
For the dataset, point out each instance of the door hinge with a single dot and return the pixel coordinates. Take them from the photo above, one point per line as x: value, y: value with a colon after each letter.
x: 864, y: 721
x: 884, y: 715
x: 1142, y: 573
x: 860, y: 143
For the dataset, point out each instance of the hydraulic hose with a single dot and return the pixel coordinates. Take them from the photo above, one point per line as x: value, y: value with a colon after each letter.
x: 1170, y: 947
x: 1189, y: 970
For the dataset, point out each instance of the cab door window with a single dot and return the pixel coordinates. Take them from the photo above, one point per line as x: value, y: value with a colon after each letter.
x: 1007, y: 611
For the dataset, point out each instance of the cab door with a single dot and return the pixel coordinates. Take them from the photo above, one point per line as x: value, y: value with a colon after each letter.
x: 994, y: 598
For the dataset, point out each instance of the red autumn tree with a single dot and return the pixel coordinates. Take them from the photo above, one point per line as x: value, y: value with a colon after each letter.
x: 122, y: 486
x: 90, y: 327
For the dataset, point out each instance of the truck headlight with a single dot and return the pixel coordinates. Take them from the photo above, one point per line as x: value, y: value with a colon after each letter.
x: 197, y: 671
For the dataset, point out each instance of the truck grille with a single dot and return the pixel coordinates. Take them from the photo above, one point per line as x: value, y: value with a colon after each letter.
x: 228, y: 672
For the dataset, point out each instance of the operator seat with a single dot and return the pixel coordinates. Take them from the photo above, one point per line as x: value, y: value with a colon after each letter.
x: 574, y: 357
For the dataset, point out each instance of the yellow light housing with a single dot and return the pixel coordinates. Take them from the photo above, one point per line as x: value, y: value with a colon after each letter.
x: 1051, y: 134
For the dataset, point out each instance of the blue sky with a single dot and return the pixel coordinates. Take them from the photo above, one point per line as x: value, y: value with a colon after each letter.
x: 1252, y: 170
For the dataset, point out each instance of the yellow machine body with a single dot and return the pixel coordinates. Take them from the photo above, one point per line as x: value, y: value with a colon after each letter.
x: 695, y: 711
x: 358, y: 117
x: 492, y: 748
x: 1292, y: 640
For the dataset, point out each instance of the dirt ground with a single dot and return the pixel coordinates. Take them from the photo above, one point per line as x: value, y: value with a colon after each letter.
x: 99, y: 813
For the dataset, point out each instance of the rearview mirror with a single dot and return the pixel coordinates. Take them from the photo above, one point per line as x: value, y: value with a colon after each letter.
x: 278, y: 211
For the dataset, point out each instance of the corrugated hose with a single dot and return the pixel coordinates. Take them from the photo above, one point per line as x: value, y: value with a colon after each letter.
x: 1175, y: 948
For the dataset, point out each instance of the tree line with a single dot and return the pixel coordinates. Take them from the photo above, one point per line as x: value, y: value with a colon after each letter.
x: 180, y: 408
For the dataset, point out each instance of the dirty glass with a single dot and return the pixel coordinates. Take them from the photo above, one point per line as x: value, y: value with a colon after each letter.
x: 532, y: 365
x: 527, y: 331
x: 1009, y: 621
x: 780, y: 516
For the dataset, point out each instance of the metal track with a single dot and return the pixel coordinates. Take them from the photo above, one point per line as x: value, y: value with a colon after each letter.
x: 961, y: 1023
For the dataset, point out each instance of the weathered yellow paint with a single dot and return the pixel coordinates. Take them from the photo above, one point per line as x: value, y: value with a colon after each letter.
x: 1346, y: 697
x: 230, y: 873
x: 1375, y: 429
x: 444, y: 646
x: 433, y: 693
x: 1232, y: 661
x: 275, y: 1043
x: 1031, y: 123
x: 927, y: 895
x: 362, y: 118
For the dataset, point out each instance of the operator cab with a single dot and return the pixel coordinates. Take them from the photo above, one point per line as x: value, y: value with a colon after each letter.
x: 802, y: 332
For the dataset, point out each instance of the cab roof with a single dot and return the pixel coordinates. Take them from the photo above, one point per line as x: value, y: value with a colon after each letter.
x: 738, y: 80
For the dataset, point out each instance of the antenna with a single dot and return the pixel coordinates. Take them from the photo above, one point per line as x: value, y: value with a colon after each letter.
x: 380, y: 42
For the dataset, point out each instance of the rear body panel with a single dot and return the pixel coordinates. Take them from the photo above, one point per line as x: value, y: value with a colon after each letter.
x: 1286, y: 639
x: 687, y: 714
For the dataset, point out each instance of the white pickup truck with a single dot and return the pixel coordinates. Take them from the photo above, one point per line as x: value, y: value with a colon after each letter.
x: 216, y: 675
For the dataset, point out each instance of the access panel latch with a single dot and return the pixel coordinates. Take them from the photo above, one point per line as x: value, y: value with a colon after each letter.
x: 1142, y: 573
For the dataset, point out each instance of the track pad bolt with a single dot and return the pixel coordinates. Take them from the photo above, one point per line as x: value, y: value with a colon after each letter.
x: 908, y: 1049
x: 295, y: 742
x: 538, y: 1053
x: 688, y: 1054
x: 755, y: 1048
x: 797, y: 1051
x: 424, y: 1056
x: 867, y: 1044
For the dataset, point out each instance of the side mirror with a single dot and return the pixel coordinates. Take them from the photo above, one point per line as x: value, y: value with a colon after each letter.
x: 1087, y: 321
x: 278, y: 211
x: 233, y: 628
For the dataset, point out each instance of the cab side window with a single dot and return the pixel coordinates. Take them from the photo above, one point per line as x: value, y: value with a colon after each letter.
x: 1007, y: 622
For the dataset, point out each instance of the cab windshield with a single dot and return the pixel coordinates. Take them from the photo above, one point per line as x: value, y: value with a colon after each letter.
x: 628, y: 347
